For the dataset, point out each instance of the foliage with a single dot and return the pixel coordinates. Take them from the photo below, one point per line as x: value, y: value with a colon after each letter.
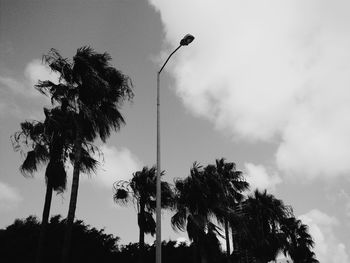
x: 262, y: 225
x: 90, y: 91
x: 197, y: 202
x: 141, y: 191
x: 232, y: 185
x: 50, y: 143
x: 267, y: 228
x: 18, y: 242
x: 263, y: 214
x: 298, y: 241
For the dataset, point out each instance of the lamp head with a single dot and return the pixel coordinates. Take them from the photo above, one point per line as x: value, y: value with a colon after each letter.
x: 186, y: 40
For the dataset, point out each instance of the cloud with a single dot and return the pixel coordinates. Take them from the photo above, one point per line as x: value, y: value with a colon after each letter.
x: 9, y: 197
x: 327, y: 246
x: 118, y: 164
x: 13, y: 85
x: 340, y: 197
x: 18, y: 95
x: 268, y: 71
x: 258, y: 178
x: 36, y: 70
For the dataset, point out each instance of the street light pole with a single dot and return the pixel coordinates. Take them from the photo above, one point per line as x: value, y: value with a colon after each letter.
x: 184, y: 42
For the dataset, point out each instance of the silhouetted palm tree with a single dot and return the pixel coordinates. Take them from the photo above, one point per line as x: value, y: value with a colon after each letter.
x: 40, y: 144
x: 263, y: 216
x: 197, y: 203
x: 298, y: 241
x: 92, y: 91
x: 232, y: 185
x: 141, y: 190
x: 49, y: 143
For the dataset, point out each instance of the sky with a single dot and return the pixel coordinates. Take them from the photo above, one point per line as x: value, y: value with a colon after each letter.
x: 265, y: 84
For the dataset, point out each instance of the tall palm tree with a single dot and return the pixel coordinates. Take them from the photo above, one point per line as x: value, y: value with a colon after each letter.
x: 92, y: 91
x: 141, y: 190
x: 232, y: 185
x: 48, y: 143
x: 298, y: 241
x: 263, y: 216
x: 197, y: 202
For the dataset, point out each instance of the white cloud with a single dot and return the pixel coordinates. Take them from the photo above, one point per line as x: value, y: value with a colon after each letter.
x: 258, y: 178
x: 118, y: 164
x: 345, y: 198
x: 24, y: 85
x: 9, y: 197
x: 275, y: 70
x: 36, y: 70
x: 18, y: 95
x: 328, y: 248
x: 340, y: 197
x: 13, y: 85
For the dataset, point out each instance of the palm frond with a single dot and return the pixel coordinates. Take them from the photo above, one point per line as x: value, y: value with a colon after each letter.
x: 58, y: 64
x: 56, y: 175
x: 179, y: 219
x: 196, y: 226
x: 29, y: 165
x: 88, y: 163
x: 147, y: 223
x: 121, y: 196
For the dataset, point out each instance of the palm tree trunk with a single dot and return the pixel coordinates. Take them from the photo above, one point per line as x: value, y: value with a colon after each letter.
x: 228, y: 253
x: 73, y: 199
x: 141, y: 246
x: 195, y: 252
x: 234, y: 239
x: 142, y: 239
x: 44, y: 223
x: 235, y: 242
x: 203, y: 256
x: 142, y: 233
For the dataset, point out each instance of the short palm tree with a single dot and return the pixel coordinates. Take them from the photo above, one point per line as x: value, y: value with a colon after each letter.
x: 299, y: 242
x: 92, y: 91
x: 48, y: 143
x: 141, y: 191
x: 197, y: 203
x: 232, y: 187
x: 263, y: 215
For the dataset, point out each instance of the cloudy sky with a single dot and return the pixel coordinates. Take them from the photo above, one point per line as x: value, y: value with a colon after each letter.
x: 265, y: 84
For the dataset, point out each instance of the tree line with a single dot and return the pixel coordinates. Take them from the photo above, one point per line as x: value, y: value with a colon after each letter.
x: 86, y: 105
x: 212, y: 202
x: 18, y: 244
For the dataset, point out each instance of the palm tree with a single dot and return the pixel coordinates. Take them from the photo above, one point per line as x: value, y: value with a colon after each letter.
x: 48, y: 143
x: 141, y: 190
x: 197, y: 202
x: 232, y: 185
x: 92, y: 91
x: 263, y: 216
x: 298, y: 241
x: 240, y: 233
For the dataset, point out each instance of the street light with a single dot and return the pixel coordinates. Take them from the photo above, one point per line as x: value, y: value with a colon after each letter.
x: 184, y: 42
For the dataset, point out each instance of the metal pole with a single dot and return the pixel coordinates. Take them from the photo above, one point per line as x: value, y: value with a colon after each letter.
x: 158, y: 197
x: 158, y: 189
